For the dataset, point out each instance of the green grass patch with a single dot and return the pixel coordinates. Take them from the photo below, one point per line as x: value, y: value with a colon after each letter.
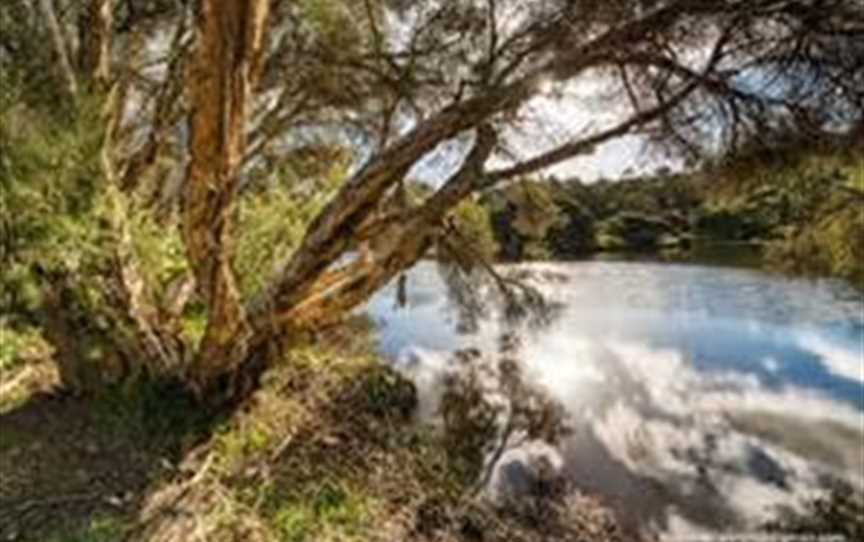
x: 19, y: 345
x: 103, y: 529
x: 334, y: 511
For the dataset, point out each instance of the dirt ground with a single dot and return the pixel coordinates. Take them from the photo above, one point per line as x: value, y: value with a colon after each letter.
x: 68, y: 461
x: 325, y: 451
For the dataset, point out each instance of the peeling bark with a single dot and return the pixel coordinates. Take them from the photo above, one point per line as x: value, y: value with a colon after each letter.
x: 97, y: 49
x: 155, y: 340
x: 399, y: 241
x: 224, y: 70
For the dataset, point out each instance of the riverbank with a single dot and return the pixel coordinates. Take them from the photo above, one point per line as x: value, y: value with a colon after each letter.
x: 326, y: 450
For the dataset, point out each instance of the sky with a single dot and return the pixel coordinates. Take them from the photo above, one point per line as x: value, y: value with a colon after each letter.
x: 555, y: 115
x: 551, y: 118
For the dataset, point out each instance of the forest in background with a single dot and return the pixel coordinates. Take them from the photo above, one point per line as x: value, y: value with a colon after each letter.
x: 799, y: 209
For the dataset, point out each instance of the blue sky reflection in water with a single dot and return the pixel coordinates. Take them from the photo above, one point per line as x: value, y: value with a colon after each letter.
x: 701, y: 397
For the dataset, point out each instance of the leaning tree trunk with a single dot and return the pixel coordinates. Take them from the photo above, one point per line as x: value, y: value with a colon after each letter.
x: 307, y: 292
x: 396, y: 242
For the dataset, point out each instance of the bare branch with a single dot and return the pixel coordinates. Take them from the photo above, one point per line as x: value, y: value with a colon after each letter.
x: 59, y: 44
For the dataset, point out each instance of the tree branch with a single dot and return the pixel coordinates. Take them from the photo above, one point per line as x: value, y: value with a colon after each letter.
x: 582, y: 146
x: 328, y: 235
x: 398, y: 244
x: 59, y: 44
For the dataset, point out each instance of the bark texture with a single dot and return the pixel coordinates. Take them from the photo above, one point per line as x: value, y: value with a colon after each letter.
x: 224, y: 69
x: 396, y: 242
x: 97, y: 49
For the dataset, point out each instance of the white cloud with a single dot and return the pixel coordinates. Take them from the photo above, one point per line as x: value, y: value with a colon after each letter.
x: 651, y: 414
x: 840, y: 361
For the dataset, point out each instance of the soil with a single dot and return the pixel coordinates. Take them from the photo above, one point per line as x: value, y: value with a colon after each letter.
x: 66, y: 461
x: 326, y: 450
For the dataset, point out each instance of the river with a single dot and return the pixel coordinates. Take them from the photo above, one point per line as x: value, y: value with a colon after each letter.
x: 700, y: 397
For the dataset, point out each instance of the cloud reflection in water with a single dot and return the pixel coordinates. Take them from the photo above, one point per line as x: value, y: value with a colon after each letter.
x: 701, y: 397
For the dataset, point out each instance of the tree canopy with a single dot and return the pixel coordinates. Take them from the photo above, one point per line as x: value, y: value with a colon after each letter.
x: 186, y: 112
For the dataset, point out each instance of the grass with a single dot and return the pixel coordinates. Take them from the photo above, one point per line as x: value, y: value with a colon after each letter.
x: 325, y: 450
x: 316, y: 454
x: 104, y: 529
x: 299, y: 459
x: 24, y: 365
x: 20, y: 345
x: 333, y: 512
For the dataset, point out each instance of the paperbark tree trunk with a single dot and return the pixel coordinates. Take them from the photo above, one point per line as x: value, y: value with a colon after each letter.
x: 223, y: 72
x: 398, y: 241
x: 98, y: 36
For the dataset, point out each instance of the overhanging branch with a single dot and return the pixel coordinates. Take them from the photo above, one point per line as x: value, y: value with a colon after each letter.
x: 581, y: 146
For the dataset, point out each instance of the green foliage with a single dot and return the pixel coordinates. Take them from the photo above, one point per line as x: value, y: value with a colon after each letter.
x: 575, y: 235
x: 730, y: 223
x: 194, y: 324
x: 236, y: 444
x: 332, y: 19
x: 272, y: 222
x: 856, y: 177
x: 388, y: 393
x: 294, y: 523
x: 52, y: 201
x: 833, y: 244
x: 471, y: 425
x: 333, y: 512
x: 57, y: 237
x: 632, y: 230
x: 26, y: 75
x: 475, y: 227
x: 310, y: 452
x: 52, y: 187
x: 552, y: 219
x: 18, y: 345
x: 157, y: 247
x: 103, y: 529
x: 536, y: 209
x: 795, y: 203
x: 523, y: 215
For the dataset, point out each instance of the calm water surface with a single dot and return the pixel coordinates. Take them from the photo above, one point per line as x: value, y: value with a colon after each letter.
x: 701, y: 397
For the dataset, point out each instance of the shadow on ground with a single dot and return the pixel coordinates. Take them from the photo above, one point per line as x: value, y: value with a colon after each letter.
x: 68, y: 462
x: 326, y: 449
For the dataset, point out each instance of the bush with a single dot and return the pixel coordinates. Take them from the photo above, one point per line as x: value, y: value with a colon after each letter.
x: 475, y: 224
x: 829, y: 237
x: 19, y: 345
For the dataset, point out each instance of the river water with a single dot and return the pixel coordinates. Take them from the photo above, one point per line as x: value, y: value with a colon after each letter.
x: 700, y: 397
